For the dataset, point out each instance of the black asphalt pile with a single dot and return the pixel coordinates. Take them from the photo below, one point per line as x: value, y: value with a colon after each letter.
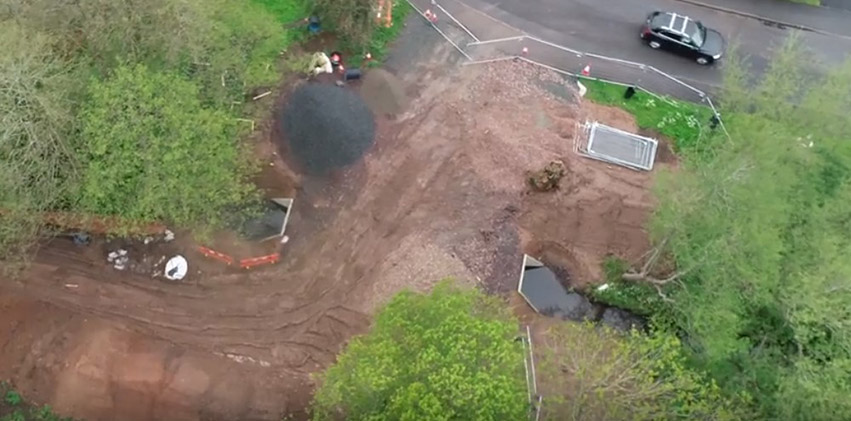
x: 327, y: 127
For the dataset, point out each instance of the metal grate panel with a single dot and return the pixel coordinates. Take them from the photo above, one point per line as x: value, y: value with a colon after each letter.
x: 619, y: 147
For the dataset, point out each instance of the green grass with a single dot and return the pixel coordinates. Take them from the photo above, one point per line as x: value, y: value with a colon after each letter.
x: 684, y: 123
x: 808, y: 2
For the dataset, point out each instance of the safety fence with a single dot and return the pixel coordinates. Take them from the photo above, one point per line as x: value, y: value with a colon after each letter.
x: 482, y: 39
x: 535, y: 399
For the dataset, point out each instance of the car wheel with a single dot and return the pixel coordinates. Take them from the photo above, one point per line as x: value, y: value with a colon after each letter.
x: 703, y: 61
x: 654, y: 45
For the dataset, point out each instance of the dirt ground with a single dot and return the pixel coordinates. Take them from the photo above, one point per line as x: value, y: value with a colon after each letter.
x: 442, y: 193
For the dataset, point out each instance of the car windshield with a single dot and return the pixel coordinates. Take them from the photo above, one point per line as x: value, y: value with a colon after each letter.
x: 659, y: 20
x: 697, y: 33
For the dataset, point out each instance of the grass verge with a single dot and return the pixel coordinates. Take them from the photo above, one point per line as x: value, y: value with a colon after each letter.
x: 379, y: 45
x: 684, y: 123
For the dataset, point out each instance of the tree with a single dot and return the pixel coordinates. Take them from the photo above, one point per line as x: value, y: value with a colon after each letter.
x: 448, y: 355
x: 759, y: 283
x: 36, y: 159
x: 152, y: 152
x: 590, y: 372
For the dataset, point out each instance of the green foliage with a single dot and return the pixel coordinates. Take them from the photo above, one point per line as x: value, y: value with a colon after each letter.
x: 36, y: 160
x: 105, y: 32
x: 52, y: 50
x: 289, y: 13
x: 614, y: 268
x: 12, y: 398
x: 685, y: 123
x: 761, y: 226
x: 448, y: 355
x: 353, y: 21
x: 590, y: 372
x: 240, y: 51
x: 152, y: 152
x: 19, y: 410
x: 638, y: 298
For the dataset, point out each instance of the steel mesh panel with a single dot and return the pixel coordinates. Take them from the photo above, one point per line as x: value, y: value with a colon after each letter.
x: 622, y: 148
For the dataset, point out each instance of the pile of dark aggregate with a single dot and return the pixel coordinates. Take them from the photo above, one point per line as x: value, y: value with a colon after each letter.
x: 327, y: 127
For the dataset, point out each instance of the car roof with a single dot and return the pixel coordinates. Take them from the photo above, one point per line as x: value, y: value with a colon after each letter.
x: 672, y: 22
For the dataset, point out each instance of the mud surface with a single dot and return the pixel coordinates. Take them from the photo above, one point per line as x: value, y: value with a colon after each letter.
x: 383, y: 92
x: 441, y: 193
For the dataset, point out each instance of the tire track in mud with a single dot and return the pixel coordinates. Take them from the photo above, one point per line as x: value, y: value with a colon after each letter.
x: 190, y: 319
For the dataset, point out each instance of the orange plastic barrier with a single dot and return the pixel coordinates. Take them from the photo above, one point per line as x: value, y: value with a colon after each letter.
x: 216, y: 255
x: 257, y: 261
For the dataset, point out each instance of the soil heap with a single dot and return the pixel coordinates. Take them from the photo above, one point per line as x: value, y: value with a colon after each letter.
x: 327, y: 127
x: 548, y: 178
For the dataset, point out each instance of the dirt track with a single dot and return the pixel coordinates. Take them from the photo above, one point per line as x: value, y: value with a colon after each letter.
x: 441, y: 194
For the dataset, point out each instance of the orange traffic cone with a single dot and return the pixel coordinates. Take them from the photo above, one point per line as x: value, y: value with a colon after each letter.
x: 432, y: 17
x: 586, y: 71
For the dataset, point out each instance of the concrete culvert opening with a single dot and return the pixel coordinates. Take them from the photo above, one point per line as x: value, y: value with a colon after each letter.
x: 270, y: 223
x: 327, y: 127
x: 540, y: 287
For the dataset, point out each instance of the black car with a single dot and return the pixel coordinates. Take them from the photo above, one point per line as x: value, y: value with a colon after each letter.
x: 684, y: 36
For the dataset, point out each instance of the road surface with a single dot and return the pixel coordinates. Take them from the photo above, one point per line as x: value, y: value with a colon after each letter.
x: 610, y: 27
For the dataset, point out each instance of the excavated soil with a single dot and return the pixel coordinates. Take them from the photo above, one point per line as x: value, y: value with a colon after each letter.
x: 441, y: 193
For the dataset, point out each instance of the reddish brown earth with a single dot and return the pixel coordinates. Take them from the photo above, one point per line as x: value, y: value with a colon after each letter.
x: 442, y: 193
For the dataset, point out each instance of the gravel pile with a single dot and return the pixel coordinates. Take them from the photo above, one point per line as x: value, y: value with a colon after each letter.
x: 327, y: 127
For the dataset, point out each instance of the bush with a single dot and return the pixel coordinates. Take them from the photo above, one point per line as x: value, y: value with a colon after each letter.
x: 635, y: 297
x: 448, y: 355
x: 590, y: 372
x: 152, y: 152
x: 17, y: 409
x: 241, y: 51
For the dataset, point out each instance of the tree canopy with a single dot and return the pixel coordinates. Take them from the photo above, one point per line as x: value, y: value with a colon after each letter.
x: 590, y: 372
x: 447, y: 355
x: 758, y: 230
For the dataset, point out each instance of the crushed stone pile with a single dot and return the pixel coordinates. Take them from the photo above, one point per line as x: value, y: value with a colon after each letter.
x: 327, y: 127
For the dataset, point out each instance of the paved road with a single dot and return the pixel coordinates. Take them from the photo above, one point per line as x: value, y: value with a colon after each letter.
x: 610, y: 27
